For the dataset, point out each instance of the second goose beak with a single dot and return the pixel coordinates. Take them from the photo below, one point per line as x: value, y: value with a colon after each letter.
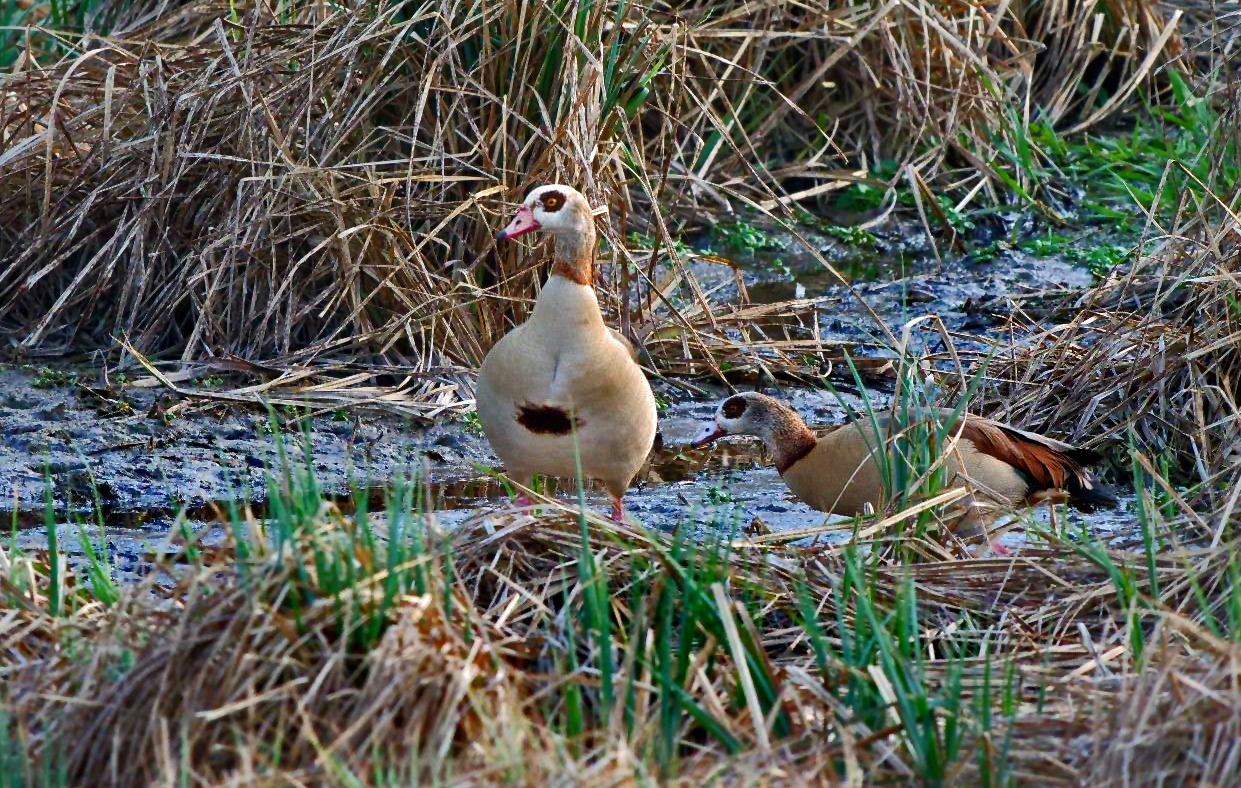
x: 709, y: 433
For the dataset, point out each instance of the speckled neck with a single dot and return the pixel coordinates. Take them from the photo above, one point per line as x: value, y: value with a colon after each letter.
x: 574, y: 258
x: 789, y: 438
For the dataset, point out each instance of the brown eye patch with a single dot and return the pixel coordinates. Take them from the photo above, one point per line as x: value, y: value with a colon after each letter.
x: 734, y: 407
x: 552, y: 201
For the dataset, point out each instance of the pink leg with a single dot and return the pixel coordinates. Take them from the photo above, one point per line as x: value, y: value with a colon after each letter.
x: 618, y: 510
x: 525, y: 479
x: 973, y: 524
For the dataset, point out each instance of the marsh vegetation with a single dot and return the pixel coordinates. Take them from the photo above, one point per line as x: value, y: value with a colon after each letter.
x: 278, y: 219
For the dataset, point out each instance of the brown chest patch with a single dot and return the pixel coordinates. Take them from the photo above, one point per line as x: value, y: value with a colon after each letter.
x: 547, y: 420
x: 578, y: 274
x: 796, y: 447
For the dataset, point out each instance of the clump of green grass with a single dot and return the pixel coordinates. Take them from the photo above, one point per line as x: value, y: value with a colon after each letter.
x: 53, y: 378
x: 528, y: 652
x: 1099, y: 260
x: 741, y: 236
x: 1045, y: 246
x: 46, y: 29
x: 853, y: 236
x: 471, y: 423
x: 646, y: 243
x: 870, y: 195
x: 958, y: 220
x: 989, y: 251
x: 1157, y: 165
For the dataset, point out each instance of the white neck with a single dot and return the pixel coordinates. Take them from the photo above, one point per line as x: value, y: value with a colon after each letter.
x: 566, y: 305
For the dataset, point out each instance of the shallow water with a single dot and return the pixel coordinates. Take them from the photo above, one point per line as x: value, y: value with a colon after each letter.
x: 728, y: 489
x: 120, y: 457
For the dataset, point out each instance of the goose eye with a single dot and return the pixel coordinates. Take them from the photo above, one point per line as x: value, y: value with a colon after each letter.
x: 551, y: 203
x: 734, y: 407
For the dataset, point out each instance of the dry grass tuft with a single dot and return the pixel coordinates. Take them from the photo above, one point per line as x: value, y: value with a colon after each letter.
x: 1155, y: 349
x: 314, y: 654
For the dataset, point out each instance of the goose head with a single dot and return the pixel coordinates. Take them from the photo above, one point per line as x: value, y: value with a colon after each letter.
x: 556, y: 209
x: 748, y: 413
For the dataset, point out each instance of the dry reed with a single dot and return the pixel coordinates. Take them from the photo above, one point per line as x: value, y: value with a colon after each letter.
x: 1151, y: 355
x: 247, y: 668
x: 284, y: 185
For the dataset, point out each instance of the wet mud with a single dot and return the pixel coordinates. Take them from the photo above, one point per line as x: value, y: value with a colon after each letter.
x: 122, y: 466
x: 902, y: 275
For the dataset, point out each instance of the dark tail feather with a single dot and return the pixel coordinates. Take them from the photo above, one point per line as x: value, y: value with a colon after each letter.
x: 1084, y: 457
x: 1086, y: 493
x: 1090, y: 495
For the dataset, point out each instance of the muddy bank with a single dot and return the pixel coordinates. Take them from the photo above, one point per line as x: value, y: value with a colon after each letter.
x: 136, y: 470
x: 126, y: 455
x: 152, y: 476
x: 901, y: 274
x: 124, y: 447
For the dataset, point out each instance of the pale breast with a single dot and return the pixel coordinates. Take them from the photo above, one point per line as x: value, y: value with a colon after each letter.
x: 531, y: 403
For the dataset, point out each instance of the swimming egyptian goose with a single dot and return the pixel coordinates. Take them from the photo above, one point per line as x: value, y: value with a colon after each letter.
x: 563, y: 374
x: 835, y: 472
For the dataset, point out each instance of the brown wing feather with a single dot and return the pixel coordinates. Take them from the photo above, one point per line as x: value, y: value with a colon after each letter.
x: 1044, y: 466
x: 1045, y: 463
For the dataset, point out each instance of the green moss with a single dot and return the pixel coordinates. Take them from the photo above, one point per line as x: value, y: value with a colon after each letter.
x: 853, y: 236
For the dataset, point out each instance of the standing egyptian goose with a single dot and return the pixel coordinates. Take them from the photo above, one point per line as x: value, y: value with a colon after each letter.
x: 836, y: 472
x: 564, y: 383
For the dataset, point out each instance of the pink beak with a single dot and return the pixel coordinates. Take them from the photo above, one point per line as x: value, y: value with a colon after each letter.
x: 710, y: 432
x: 522, y: 223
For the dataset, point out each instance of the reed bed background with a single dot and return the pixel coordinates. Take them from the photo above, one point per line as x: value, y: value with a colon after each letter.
x: 307, y: 181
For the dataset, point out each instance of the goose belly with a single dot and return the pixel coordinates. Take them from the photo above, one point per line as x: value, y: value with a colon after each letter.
x: 612, y: 435
x: 601, y: 455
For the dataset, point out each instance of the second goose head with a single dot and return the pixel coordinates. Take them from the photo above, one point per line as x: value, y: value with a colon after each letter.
x: 774, y: 423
